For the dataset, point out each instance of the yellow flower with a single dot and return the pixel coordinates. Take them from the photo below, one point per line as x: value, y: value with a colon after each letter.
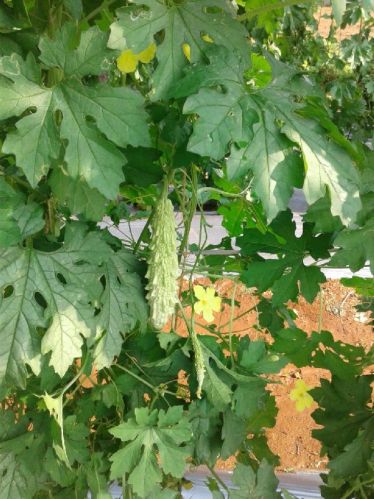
x: 208, y: 302
x: 127, y: 61
x: 147, y: 54
x: 187, y: 52
x: 301, y: 396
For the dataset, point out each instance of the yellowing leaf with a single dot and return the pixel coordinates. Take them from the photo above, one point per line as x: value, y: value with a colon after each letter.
x: 147, y: 54
x: 207, y: 39
x: 127, y: 61
x: 187, y: 51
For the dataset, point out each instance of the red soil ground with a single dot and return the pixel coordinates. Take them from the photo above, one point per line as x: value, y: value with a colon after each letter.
x: 291, y: 437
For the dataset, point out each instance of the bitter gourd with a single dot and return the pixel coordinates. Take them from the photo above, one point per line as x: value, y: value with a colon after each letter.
x: 163, y: 267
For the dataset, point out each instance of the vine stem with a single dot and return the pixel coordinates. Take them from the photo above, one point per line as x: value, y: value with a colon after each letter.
x: 231, y: 321
x: 93, y: 13
x: 141, y: 380
x: 144, y: 231
x: 218, y: 478
x: 188, y: 219
x: 320, y: 318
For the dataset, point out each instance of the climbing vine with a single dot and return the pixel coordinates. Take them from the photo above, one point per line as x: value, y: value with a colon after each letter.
x: 118, y: 112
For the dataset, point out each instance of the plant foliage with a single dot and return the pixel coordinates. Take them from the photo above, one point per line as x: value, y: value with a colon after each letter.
x: 234, y: 106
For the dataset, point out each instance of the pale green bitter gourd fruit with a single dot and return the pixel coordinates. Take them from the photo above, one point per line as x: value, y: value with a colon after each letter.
x: 163, y: 268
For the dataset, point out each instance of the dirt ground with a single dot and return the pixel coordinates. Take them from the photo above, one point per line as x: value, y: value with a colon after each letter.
x: 291, y: 437
x: 324, y: 20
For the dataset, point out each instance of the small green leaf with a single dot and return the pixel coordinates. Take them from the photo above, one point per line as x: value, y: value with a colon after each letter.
x: 357, y: 247
x: 168, y: 431
x: 287, y: 275
x: 256, y: 485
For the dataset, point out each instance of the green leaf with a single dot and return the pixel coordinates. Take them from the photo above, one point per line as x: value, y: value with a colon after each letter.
x: 78, y: 196
x: 17, y: 220
x: 287, y: 275
x: 328, y: 168
x: 9, y: 233
x: 254, y: 404
x: 327, y: 165
x: 257, y: 360
x: 356, y: 455
x: 319, y: 213
x: 268, y: 120
x: 224, y: 116
x: 46, y: 290
x: 117, y: 112
x: 267, y: 152
x: 7, y: 22
x: 123, y: 307
x: 183, y: 22
x: 76, y: 435
x: 357, y: 247
x: 151, y: 170
x: 338, y: 8
x: 343, y: 410
x: 167, y: 431
x: 234, y: 432
x: 234, y: 214
x: 96, y: 473
x: 267, y: 14
x: 75, y: 8
x: 29, y: 219
x: 57, y: 470
x: 17, y: 480
x: 218, y: 390
x: 342, y: 359
x: 257, y: 485
x: 361, y: 285
x: 206, y: 429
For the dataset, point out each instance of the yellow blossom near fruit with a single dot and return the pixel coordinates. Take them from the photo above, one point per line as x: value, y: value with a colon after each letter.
x: 187, y: 51
x: 207, y: 303
x: 127, y: 61
x: 207, y: 39
x: 301, y: 396
x: 147, y: 54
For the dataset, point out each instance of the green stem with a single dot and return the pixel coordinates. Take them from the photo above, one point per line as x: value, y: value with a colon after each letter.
x: 320, y: 310
x: 141, y: 380
x: 222, y: 193
x: 144, y: 231
x: 218, y: 478
x: 93, y: 13
x: 192, y: 209
x: 232, y: 310
x: 135, y: 376
x: 238, y: 316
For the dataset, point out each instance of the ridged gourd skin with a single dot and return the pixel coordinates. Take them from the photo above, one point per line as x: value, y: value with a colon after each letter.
x: 163, y: 268
x: 199, y: 363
